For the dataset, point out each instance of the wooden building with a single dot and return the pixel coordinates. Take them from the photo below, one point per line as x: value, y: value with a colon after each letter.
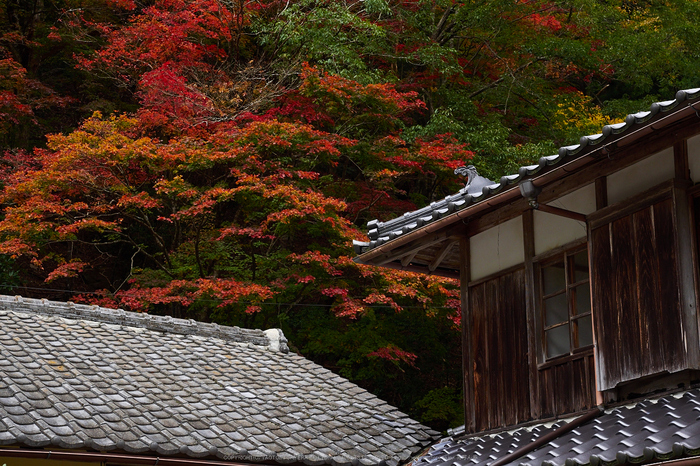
x: 579, y: 274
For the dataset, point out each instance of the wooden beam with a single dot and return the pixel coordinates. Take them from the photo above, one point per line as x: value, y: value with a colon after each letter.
x: 680, y: 159
x: 561, y: 212
x: 440, y: 256
x: 447, y: 273
x: 408, y: 258
x: 601, y: 192
x: 398, y: 253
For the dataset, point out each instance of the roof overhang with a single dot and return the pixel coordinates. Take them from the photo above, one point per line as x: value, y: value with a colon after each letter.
x: 402, y: 249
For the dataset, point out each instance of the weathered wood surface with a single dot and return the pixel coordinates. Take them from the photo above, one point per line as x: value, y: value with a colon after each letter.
x: 638, y: 315
x: 467, y: 346
x: 687, y: 267
x: 500, y: 368
x: 497, y: 324
x: 478, y: 327
x: 534, y: 348
x: 567, y: 385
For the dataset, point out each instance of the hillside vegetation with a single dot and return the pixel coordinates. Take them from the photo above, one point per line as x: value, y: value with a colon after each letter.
x: 214, y: 159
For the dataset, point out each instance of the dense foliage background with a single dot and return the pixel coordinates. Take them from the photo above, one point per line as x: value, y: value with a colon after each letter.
x: 214, y: 159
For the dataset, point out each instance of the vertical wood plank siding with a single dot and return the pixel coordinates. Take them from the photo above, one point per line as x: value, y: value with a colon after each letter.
x: 567, y: 386
x: 498, y: 320
x: 671, y: 339
x: 500, y: 391
x: 478, y: 327
x: 636, y: 295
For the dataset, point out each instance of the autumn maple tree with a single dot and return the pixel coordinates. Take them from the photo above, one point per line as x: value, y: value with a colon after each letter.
x: 214, y: 159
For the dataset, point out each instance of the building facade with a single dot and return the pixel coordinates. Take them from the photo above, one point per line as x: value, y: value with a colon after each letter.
x: 579, y: 274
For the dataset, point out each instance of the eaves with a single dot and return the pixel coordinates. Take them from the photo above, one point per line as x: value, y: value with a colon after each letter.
x: 437, y: 218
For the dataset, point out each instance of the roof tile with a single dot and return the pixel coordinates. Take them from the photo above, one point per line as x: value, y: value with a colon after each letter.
x: 145, y: 384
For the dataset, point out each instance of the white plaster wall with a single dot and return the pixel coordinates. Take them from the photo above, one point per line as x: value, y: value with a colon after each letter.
x: 552, y: 231
x: 694, y: 158
x: 641, y: 176
x: 497, y: 248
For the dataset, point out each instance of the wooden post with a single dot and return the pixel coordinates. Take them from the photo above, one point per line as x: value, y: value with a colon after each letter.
x: 684, y: 238
x: 467, y: 356
x: 601, y: 192
x: 680, y: 159
x: 601, y: 201
x: 533, y: 324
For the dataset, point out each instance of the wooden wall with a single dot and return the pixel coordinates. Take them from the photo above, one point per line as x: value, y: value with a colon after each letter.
x: 502, y: 381
x: 499, y: 374
x: 636, y: 294
x: 567, y: 385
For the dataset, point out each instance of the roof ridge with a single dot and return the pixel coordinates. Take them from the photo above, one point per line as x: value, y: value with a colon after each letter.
x: 272, y: 338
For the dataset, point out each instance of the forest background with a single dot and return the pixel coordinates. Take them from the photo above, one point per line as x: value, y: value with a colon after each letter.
x: 214, y: 159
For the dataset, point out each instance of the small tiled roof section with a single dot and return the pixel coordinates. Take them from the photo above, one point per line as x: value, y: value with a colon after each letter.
x: 83, y: 377
x: 382, y: 232
x: 647, y: 432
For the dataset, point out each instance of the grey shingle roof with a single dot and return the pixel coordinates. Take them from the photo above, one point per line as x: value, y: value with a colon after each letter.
x: 649, y: 431
x: 382, y: 232
x: 84, y: 377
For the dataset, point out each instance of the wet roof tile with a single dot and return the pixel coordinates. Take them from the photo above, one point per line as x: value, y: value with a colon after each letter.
x: 132, y: 383
x: 646, y: 432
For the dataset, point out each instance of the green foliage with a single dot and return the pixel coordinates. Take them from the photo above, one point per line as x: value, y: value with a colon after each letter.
x: 442, y: 406
x: 330, y: 34
x: 260, y: 137
x: 9, y: 275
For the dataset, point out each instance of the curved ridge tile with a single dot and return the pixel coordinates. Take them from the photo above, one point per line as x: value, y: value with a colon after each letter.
x: 566, y: 151
x: 591, y: 140
x: 687, y: 94
x: 492, y: 188
x: 615, y: 128
x: 638, y: 118
x: 508, y: 180
x: 529, y: 170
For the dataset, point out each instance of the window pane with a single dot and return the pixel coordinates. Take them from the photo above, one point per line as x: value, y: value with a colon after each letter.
x: 557, y: 341
x: 584, y: 328
x: 553, y: 278
x: 556, y: 310
x: 580, y: 266
x: 582, y: 299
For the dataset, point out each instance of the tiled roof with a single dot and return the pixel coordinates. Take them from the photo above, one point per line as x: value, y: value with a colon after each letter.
x: 382, y: 232
x: 84, y: 377
x: 646, y: 432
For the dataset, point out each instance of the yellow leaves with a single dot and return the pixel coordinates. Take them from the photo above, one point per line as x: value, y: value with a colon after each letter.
x: 175, y: 187
x: 577, y: 113
x: 102, y: 139
x: 638, y: 20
